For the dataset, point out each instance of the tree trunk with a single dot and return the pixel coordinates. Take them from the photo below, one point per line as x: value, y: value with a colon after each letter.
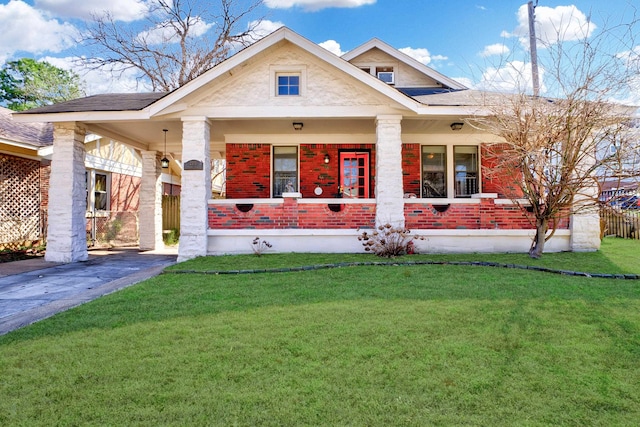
x: 537, y: 246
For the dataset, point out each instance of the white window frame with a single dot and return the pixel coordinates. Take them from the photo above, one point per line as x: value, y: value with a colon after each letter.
x: 373, y: 70
x: 450, y: 172
x: 91, y: 190
x: 287, y: 70
x: 273, y: 172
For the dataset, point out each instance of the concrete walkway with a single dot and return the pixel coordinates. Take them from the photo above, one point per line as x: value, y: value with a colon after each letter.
x: 33, y: 289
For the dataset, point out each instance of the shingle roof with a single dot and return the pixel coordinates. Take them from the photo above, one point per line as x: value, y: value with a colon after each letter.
x: 102, y: 102
x: 34, y: 134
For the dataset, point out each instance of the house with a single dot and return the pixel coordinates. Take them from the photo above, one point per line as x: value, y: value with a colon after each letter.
x: 25, y: 152
x: 316, y: 148
x: 110, y: 187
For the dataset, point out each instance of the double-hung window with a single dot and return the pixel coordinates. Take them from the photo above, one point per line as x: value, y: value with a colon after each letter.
x: 285, y: 170
x: 98, y: 188
x: 466, y: 170
x: 449, y: 171
x: 434, y: 171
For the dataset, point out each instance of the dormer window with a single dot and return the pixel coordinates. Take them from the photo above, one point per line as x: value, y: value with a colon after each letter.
x: 385, y: 74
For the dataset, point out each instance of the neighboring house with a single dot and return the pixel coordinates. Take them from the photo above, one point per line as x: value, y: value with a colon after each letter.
x: 25, y: 153
x: 316, y: 148
x: 110, y: 189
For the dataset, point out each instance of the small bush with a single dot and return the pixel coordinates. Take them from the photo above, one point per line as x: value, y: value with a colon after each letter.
x: 389, y: 241
x: 260, y: 246
x: 172, y: 237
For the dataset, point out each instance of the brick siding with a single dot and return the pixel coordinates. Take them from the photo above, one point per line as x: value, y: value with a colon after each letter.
x: 291, y: 215
x: 248, y: 170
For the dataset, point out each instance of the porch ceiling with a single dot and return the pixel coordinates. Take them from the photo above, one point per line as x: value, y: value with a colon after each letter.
x: 148, y: 134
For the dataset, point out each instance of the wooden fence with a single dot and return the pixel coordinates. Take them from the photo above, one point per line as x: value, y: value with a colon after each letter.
x: 170, y: 212
x: 620, y: 223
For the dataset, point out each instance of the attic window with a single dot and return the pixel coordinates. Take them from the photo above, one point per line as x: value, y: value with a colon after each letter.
x: 385, y: 74
x: 288, y: 84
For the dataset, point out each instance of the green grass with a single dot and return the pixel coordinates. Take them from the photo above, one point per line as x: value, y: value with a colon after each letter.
x: 394, y: 345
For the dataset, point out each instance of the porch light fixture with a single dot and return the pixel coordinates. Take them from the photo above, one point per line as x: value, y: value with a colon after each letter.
x: 164, y: 161
x: 297, y: 126
x: 326, y: 159
x: 456, y: 126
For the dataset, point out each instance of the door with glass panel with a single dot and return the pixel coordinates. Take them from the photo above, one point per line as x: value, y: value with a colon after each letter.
x: 354, y: 174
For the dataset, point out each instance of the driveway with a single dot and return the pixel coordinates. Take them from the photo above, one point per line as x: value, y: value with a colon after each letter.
x: 33, y: 290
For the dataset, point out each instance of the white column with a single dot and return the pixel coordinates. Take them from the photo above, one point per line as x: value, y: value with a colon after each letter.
x: 389, y: 188
x: 150, y: 210
x: 66, y: 232
x: 585, y: 223
x: 195, y: 190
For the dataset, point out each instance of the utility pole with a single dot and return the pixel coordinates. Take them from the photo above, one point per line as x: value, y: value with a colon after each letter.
x: 533, y: 49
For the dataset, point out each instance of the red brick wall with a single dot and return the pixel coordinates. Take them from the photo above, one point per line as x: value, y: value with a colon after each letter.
x: 411, y: 164
x: 125, y: 193
x: 315, y: 173
x: 170, y: 189
x: 45, y: 173
x: 495, y: 180
x: 248, y: 169
x: 291, y: 215
x: 485, y: 215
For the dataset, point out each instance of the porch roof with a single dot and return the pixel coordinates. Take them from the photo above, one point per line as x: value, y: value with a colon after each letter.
x: 102, y: 102
x: 36, y: 135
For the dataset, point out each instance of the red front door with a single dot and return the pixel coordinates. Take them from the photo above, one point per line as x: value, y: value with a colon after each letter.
x: 354, y: 174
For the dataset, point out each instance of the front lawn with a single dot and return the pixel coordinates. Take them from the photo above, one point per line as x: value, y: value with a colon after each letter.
x: 393, y: 345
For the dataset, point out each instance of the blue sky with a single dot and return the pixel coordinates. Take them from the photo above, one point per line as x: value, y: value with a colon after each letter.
x: 462, y: 39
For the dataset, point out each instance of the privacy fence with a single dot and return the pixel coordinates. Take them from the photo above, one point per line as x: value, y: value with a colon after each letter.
x: 621, y: 223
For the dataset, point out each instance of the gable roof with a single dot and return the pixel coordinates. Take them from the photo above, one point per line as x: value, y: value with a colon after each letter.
x: 147, y: 105
x: 35, y: 135
x: 279, y: 35
x: 395, y: 53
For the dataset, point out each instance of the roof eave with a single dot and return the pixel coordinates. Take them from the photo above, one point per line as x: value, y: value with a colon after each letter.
x: 82, y: 116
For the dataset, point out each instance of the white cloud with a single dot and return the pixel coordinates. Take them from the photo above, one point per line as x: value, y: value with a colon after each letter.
x: 333, y: 47
x: 514, y: 76
x: 422, y: 55
x: 120, y: 10
x: 164, y: 33
x: 559, y: 24
x: 264, y: 28
x: 494, y: 50
x: 25, y: 29
x: 101, y: 80
x: 315, y: 5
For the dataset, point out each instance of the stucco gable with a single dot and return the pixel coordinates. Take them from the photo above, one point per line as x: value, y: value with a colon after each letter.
x: 409, y: 72
x: 321, y: 84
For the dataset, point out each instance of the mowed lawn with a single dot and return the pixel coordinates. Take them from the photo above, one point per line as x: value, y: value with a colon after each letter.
x: 375, y: 345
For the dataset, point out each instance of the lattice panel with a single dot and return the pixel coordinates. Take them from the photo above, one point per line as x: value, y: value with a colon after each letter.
x: 19, y: 199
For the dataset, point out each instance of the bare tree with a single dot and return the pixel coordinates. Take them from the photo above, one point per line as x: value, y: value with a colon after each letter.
x: 182, y: 39
x: 553, y: 152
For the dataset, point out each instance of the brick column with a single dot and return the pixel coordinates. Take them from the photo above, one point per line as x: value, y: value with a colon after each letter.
x: 389, y: 189
x: 196, y: 188
x: 150, y: 211
x: 67, y: 235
